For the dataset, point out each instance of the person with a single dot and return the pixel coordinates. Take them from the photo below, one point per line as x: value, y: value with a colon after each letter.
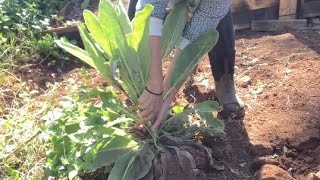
x: 208, y: 14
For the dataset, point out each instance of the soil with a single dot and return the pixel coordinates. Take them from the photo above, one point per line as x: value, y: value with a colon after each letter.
x: 277, y: 76
x: 282, y: 118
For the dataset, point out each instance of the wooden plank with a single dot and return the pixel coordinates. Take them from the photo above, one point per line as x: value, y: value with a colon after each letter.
x: 278, y: 25
x: 242, y: 20
x: 245, y: 5
x: 62, y: 30
x: 311, y: 8
x: 287, y: 9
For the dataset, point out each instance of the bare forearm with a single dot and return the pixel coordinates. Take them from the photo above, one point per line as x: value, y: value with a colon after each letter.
x: 155, y: 79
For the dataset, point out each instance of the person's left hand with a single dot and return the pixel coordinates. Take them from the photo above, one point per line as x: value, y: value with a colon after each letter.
x: 165, y: 107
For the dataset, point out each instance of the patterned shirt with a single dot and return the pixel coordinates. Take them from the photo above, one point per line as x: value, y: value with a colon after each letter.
x: 206, y: 15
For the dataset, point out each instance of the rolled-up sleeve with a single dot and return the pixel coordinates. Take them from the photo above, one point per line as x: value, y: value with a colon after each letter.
x: 157, y: 16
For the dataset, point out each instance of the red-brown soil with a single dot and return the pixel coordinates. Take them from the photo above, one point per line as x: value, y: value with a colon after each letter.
x: 278, y: 77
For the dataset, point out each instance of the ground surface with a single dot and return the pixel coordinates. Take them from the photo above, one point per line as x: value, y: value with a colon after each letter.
x: 278, y: 78
x: 277, y: 75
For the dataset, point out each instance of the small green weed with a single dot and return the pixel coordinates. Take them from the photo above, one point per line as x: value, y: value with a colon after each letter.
x: 20, y: 24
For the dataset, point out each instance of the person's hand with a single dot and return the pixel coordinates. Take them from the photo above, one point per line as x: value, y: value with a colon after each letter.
x: 165, y: 107
x: 151, y: 98
x: 150, y: 102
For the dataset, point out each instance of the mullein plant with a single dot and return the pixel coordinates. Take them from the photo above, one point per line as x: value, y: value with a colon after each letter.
x: 119, y: 50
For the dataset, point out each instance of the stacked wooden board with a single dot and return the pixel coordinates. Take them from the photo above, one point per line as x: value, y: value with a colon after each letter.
x: 259, y: 15
x: 273, y: 15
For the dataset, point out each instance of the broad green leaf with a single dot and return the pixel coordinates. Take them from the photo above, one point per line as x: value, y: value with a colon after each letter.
x: 139, y: 39
x: 215, y: 123
x: 173, y: 28
x: 118, y: 121
x: 178, y: 109
x: 127, y: 88
x: 112, y: 27
x: 129, y: 172
x: 208, y: 106
x: 124, y: 19
x: 132, y: 62
x: 72, y: 174
x: 99, y: 61
x: 76, y: 51
x: 177, y: 121
x: 141, y: 165
x: 111, y: 131
x: 212, y: 132
x: 72, y: 128
x: 120, y: 167
x: 110, y: 24
x: 144, y: 161
x: 190, y: 57
x: 93, y: 25
x: 115, y: 148
x: 211, y: 121
x: 214, y: 127
x: 107, y: 157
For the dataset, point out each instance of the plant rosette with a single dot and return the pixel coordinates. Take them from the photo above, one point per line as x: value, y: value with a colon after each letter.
x: 118, y: 49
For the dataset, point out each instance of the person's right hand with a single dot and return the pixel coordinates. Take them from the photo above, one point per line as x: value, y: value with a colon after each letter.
x: 149, y: 103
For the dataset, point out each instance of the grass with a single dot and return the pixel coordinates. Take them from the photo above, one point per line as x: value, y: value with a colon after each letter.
x: 23, y: 145
x: 23, y: 103
x: 22, y: 153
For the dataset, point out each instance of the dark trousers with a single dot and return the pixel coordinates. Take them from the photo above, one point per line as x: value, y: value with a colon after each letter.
x: 222, y: 56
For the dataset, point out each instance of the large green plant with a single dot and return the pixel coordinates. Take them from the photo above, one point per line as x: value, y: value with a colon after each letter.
x: 118, y: 49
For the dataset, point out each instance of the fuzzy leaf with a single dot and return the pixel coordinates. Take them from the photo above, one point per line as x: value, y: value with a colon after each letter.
x: 120, y: 167
x: 124, y: 19
x: 207, y: 106
x: 75, y: 51
x: 98, y: 59
x: 141, y: 165
x: 111, y: 25
x: 173, y: 28
x: 177, y: 121
x: 178, y: 109
x: 139, y: 39
x: 72, y: 128
x: 113, y: 150
x: 190, y: 57
x: 215, y: 123
x: 72, y: 174
x: 214, y: 127
x: 93, y: 25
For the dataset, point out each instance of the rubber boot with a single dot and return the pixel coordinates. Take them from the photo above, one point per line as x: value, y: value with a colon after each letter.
x: 222, y: 60
x: 227, y: 96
